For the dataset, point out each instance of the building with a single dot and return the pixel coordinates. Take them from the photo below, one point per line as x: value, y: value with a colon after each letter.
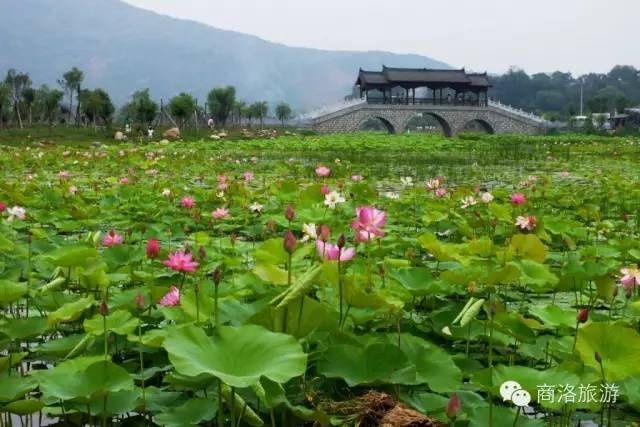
x: 437, y: 87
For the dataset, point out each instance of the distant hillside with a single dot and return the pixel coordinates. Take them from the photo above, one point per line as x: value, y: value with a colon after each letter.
x: 123, y: 48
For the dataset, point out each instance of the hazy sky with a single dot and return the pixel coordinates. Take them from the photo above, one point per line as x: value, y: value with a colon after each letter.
x: 537, y: 35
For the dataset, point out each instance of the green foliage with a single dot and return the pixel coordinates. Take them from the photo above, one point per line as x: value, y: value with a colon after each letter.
x: 454, y: 298
x: 283, y: 112
x: 97, y: 105
x: 221, y: 102
x: 141, y: 108
x: 182, y: 107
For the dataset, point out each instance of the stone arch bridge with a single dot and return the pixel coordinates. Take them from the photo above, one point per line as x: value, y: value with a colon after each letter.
x: 493, y: 117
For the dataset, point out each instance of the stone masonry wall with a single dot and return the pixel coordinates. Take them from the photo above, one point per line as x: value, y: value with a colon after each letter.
x: 452, y: 118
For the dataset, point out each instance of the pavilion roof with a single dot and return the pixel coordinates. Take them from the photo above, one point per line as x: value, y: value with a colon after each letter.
x: 391, y: 76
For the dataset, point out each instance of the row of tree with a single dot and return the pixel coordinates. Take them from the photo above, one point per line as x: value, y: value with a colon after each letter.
x: 560, y: 95
x: 22, y: 104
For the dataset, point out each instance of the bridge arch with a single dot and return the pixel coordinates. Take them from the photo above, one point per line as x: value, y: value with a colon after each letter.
x: 478, y: 124
x: 446, y: 127
x: 386, y: 122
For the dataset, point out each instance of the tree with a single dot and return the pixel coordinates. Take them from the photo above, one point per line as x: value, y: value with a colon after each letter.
x: 239, y: 109
x: 247, y: 112
x: 283, y: 112
x: 71, y: 82
x: 141, y: 107
x: 50, y: 99
x: 221, y: 102
x: 260, y: 110
x: 96, y: 104
x: 29, y: 97
x: 182, y: 107
x: 17, y: 83
x: 4, y: 101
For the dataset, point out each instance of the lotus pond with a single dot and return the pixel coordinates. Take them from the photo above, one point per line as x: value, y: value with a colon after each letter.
x: 356, y: 280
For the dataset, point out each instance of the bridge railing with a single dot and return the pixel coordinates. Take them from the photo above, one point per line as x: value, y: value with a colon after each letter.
x: 331, y: 109
x: 425, y: 101
x: 517, y: 111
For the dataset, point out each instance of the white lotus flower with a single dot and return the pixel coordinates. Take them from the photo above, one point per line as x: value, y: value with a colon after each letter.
x: 468, y: 201
x: 256, y: 207
x: 486, y: 197
x: 333, y: 198
x: 17, y: 212
x: 406, y: 181
x: 309, y: 231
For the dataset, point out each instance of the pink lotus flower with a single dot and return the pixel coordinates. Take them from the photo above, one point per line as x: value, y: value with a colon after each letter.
x: 171, y: 298
x: 112, y: 239
x: 220, y: 213
x: 180, y: 261
x: 248, y: 176
x: 357, y: 178
x: 324, y: 190
x: 432, y: 184
x: 73, y: 189
x: 223, y: 186
x: 2, y: 207
x: 630, y: 277
x: 188, y: 202
x: 527, y: 223
x: 323, y: 171
x: 441, y: 192
x: 369, y: 223
x: 518, y: 198
x: 153, y: 248
x: 330, y: 252
x: 124, y: 180
x: 64, y: 175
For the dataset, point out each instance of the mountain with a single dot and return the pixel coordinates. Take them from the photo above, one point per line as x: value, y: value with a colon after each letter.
x: 123, y: 48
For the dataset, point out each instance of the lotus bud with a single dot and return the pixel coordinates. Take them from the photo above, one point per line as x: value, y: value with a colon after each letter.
x: 323, y: 232
x: 290, y: 242
x: 342, y: 241
x: 104, y: 308
x: 583, y: 315
x: 202, y: 253
x: 217, y: 276
x: 289, y: 213
x: 454, y: 406
x: 153, y: 248
x: 598, y: 357
x: 140, y: 301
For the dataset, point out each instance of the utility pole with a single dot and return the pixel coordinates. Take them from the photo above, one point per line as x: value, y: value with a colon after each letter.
x: 581, y: 95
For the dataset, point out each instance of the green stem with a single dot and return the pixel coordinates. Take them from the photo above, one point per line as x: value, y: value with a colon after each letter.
x: 232, y: 405
x: 575, y: 338
x: 220, y: 405
x: 106, y: 336
x: 490, y: 357
x: 197, y: 304
x: 216, y: 311
x: 29, y: 254
x: 340, y: 290
x: 144, y: 400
